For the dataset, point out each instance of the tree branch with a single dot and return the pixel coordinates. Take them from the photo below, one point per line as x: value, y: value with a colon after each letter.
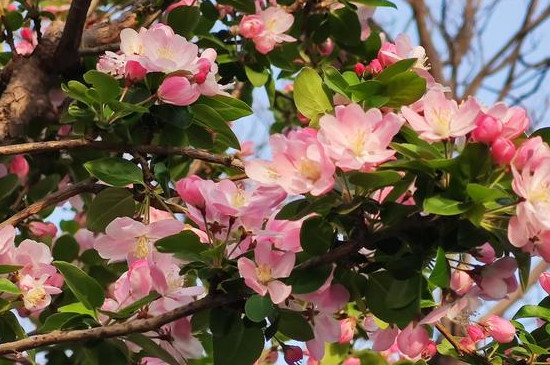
x: 116, y: 330
x: 38, y: 147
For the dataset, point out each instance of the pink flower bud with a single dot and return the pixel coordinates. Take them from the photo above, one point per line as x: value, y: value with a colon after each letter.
x: 347, y: 329
x: 134, y: 71
x: 251, y: 26
x: 302, y: 118
x: 488, y: 129
x: 26, y: 34
x: 177, y: 90
x: 352, y: 361
x: 485, y: 253
x: 180, y: 3
x: 374, y: 67
x: 19, y: 166
x: 326, y: 48
x: 429, y: 351
x: 64, y: 130
x: 461, y: 282
x: 500, y: 329
x: 188, y: 190
x: 293, y: 354
x: 476, y: 333
x: 412, y: 340
x: 359, y: 69
x: 467, y: 344
x: 544, y: 281
x: 503, y: 151
x: 41, y: 229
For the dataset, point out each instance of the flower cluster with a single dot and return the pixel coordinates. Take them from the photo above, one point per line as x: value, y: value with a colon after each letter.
x: 159, y: 49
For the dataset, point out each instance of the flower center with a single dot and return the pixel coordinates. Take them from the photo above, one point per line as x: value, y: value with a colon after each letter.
x: 263, y: 272
x: 141, y: 250
x: 443, y: 123
x: 165, y: 52
x: 358, y: 143
x: 35, y: 296
x: 238, y: 199
x: 310, y: 169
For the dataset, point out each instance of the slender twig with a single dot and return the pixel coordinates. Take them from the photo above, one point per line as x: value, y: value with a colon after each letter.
x: 452, y: 340
x: 92, y: 51
x: 38, y: 147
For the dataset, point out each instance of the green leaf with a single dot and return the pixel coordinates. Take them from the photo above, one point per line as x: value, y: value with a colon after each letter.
x: 258, y: 307
x: 65, y: 248
x: 316, y: 236
x: 380, y: 295
x: 106, y: 85
x: 533, y: 311
x: 257, y: 78
x: 375, y: 180
x: 396, y: 69
x: 441, y: 273
x: 307, y: 281
x: 177, y: 116
x: 83, y: 286
x: 7, y: 286
x: 481, y: 193
x: 184, y: 20
x: 57, y: 321
x: 366, y: 90
x: 8, y: 184
x: 345, y: 26
x: 76, y: 307
x: 335, y: 81
x: 309, y: 96
x: 377, y: 3
x: 211, y: 119
x: 108, y: 205
x: 131, y: 309
x: 404, y: 89
x: 440, y: 205
x: 523, y: 260
x: 294, y: 326
x: 228, y: 107
x: 6, y: 269
x: 150, y: 347
x: 13, y: 20
x: 115, y: 171
x: 237, y: 344
x: 185, y: 245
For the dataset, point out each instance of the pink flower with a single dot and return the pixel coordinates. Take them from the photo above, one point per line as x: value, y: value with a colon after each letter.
x: 528, y: 234
x: 128, y: 239
x: 488, y: 129
x: 85, y: 239
x: 134, y: 284
x: 19, y: 166
x: 485, y: 253
x: 300, y: 164
x: 503, y: 150
x: 461, y: 282
x: 359, y: 68
x: 36, y: 292
x: 189, y: 190
x: 276, y: 22
x: 251, y: 26
x: 270, y: 265
x: 7, y: 243
x: 134, y: 71
x: 131, y: 42
x: 326, y: 330
x: 177, y: 90
x: 283, y: 234
x: 498, y: 279
x: 358, y: 140
x: 413, y: 340
x: 476, y: 333
x: 390, y: 53
x: 533, y: 152
x: 382, y: 338
x: 326, y: 48
x: 442, y: 118
x: 544, y: 281
x: 181, y: 3
x: 429, y: 351
x: 112, y: 64
x: 41, y: 229
x: 352, y: 361
x: 347, y: 329
x: 514, y: 120
x: 500, y: 329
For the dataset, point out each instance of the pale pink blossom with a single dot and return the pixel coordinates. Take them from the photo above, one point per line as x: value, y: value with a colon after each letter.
x: 382, y: 338
x: 544, y: 281
x: 514, y: 119
x: 476, y: 333
x: 500, y: 329
x: 358, y: 140
x: 85, y: 239
x: 326, y: 48
x: 251, y: 26
x: 533, y: 153
x: 178, y: 90
x: 36, y: 292
x: 442, y: 118
x: 129, y: 239
x: 283, y: 234
x: 276, y: 21
x: 498, y: 279
x: 7, y: 243
x: 413, y: 340
x: 41, y: 229
x: 300, y: 164
x: 528, y: 234
x: 488, y: 129
x: 461, y: 282
x: 326, y: 330
x: 485, y: 253
x: 261, y: 276
x: 390, y: 53
x: 352, y: 361
x: 181, y: 3
x: 112, y: 64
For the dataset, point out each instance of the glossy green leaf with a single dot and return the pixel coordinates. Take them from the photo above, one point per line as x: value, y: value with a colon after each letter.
x: 345, y: 26
x: 8, y: 184
x: 65, y: 248
x: 441, y: 273
x: 13, y: 20
x: 258, y: 307
x: 335, y: 81
x: 257, y: 78
x: 150, y: 347
x: 83, y: 286
x: 294, y: 326
x: 208, y: 117
x: 533, y: 311
x: 57, y: 321
x: 316, y: 235
x: 227, y: 107
x: 307, y: 281
x: 78, y: 308
x: 7, y: 286
x: 441, y: 205
x: 106, y: 85
x: 375, y: 180
x: 185, y: 245
x: 108, y: 205
x: 115, y: 171
x: 397, y: 68
x: 184, y: 20
x: 377, y: 3
x: 309, y: 96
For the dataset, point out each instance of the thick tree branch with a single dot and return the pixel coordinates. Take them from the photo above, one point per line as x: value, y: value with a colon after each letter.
x: 38, y: 147
x: 66, y: 53
x: 116, y: 330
